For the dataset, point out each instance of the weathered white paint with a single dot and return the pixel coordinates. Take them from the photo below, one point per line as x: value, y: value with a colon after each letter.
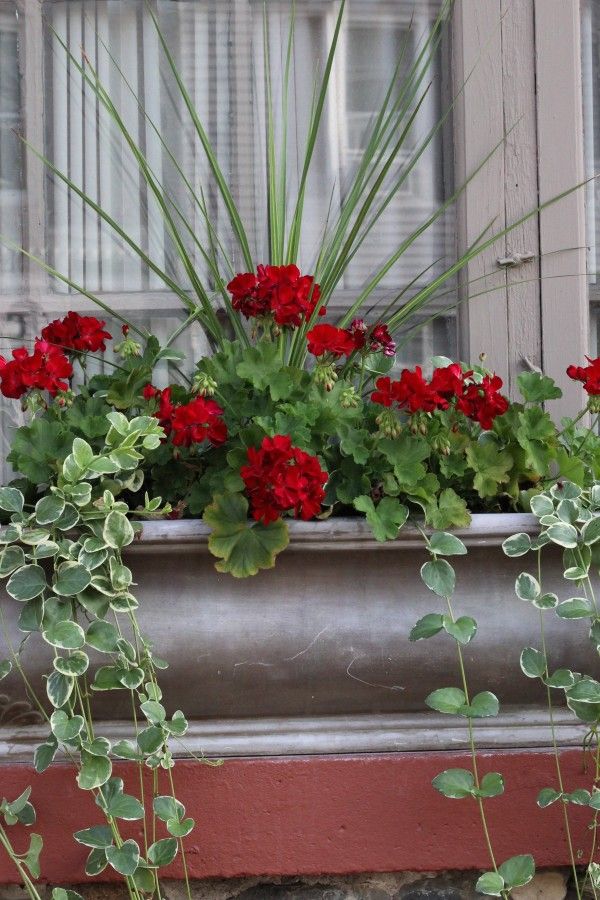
x: 565, y: 314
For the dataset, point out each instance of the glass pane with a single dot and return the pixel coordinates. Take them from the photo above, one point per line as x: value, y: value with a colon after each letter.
x: 218, y: 48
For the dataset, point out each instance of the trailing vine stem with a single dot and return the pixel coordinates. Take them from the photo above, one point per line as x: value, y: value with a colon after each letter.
x: 569, y: 519
x: 473, y: 748
x: 18, y: 863
x: 555, y: 750
x: 82, y: 525
x: 440, y: 578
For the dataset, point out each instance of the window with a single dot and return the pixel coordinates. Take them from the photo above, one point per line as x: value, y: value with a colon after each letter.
x: 218, y: 49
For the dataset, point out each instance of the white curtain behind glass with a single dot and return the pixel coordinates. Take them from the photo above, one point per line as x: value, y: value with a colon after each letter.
x: 218, y: 47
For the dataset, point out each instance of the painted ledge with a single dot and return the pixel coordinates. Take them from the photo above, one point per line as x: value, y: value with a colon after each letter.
x: 486, y: 530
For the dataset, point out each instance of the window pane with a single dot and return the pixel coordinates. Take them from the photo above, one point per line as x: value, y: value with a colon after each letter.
x: 218, y: 48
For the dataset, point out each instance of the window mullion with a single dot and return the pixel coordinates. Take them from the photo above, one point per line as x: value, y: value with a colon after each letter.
x: 31, y: 62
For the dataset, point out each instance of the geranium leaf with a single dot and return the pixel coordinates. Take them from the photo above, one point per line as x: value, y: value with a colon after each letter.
x: 386, y: 518
x: 243, y: 548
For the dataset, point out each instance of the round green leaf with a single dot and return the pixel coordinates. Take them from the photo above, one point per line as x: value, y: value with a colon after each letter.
x: 446, y: 700
x: 533, y: 663
x: 462, y: 630
x: 5, y: 668
x: 455, y: 783
x: 125, y: 859
x: 11, y: 500
x: 26, y: 583
x: 590, y: 532
x: 102, y: 636
x: 72, y: 578
x: 427, y: 627
x: 69, y: 518
x: 59, y: 688
x: 49, y: 509
x: 483, y: 705
x: 546, y: 601
x: 562, y: 678
x: 527, y: 587
x: 444, y: 544
x: 439, y: 577
x: 167, y: 808
x: 96, y: 862
x: 491, y: 785
x: 547, y: 796
x: 517, y: 871
x: 65, y: 728
x: 115, y: 803
x: 99, y: 836
x: 118, y: 531
x: 180, y: 829
x: 66, y: 635
x: 75, y: 664
x: 11, y: 558
x: 575, y: 608
x: 562, y: 534
x: 95, y: 771
x: 162, y: 852
x: 82, y: 453
x: 490, y: 883
x: 517, y: 545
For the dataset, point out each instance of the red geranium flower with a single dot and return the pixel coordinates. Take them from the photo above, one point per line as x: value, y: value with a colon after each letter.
x: 483, y: 402
x: 588, y: 375
x: 165, y: 410
x: 280, y: 477
x: 198, y: 421
x: 277, y: 290
x: 381, y: 340
x: 45, y: 369
x: 79, y: 333
x: 387, y: 391
x: 358, y: 330
x: 244, y: 298
x: 329, y: 339
x: 416, y: 394
x: 449, y: 381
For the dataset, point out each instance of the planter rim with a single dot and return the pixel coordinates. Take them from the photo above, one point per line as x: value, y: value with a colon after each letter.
x: 486, y: 530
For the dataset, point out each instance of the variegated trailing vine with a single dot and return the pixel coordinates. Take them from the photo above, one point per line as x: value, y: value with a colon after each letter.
x: 63, y: 562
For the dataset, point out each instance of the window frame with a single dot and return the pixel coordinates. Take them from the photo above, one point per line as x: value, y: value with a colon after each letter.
x: 514, y: 66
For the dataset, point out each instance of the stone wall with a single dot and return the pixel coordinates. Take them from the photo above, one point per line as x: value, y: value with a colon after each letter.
x: 547, y: 885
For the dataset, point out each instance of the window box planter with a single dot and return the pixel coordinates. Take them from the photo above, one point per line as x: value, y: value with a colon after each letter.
x: 313, y: 656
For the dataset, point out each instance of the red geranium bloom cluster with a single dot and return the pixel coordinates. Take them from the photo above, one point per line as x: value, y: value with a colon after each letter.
x: 188, y: 423
x: 481, y: 402
x: 377, y: 337
x: 280, y: 477
x: 344, y: 341
x: 329, y: 339
x: 80, y: 333
x: 588, y: 375
x: 45, y: 369
x: 280, y: 291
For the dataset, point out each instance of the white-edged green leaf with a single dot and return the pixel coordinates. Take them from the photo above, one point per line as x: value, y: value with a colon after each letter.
x: 446, y: 700
x: 427, y: 627
x: 527, y: 587
x: 26, y: 583
x: 455, y: 783
x: 439, y: 577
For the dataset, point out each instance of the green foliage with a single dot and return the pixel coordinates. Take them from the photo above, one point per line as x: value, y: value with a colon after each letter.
x: 243, y: 548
